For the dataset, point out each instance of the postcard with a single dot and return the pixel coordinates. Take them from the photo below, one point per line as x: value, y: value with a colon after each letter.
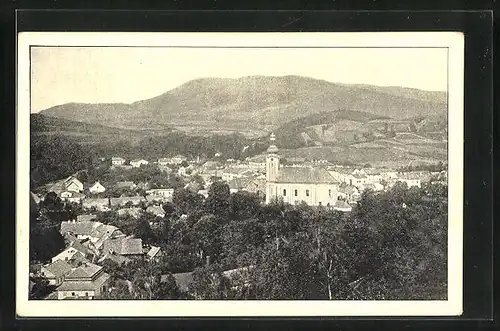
x: 239, y: 174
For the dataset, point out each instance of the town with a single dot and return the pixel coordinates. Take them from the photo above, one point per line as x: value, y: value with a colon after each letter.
x: 149, y: 229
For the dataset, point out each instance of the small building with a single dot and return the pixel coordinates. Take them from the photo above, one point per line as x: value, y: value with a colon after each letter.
x: 97, y: 188
x: 88, y: 281
x: 56, y: 271
x: 165, y: 192
x: 410, y: 179
x: 164, y: 161
x: 137, y: 163
x: 133, y: 212
x: 126, y: 246
x: 101, y: 204
x: 117, y: 161
x: 154, y: 253
x: 156, y: 210
x: 70, y: 196
x: 165, y: 168
x: 72, y: 184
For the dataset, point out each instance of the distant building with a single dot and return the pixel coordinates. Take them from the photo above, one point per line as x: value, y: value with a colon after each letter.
x: 70, y: 196
x: 85, y: 282
x: 117, y: 161
x: 164, y: 161
x: 55, y: 272
x: 97, y: 188
x: 101, y: 204
x: 156, y: 210
x: 134, y: 212
x: 72, y: 184
x: 342, y: 206
x: 410, y: 179
x: 137, y: 163
x: 165, y: 192
x: 126, y: 246
x: 313, y: 185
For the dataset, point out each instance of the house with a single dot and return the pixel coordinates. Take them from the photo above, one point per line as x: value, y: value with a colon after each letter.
x: 178, y: 159
x: 164, y: 161
x: 96, y: 232
x: 119, y: 259
x: 71, y: 196
x: 122, y: 201
x: 134, y: 212
x: 156, y: 199
x: 349, y: 192
x: 101, y: 204
x: 343, y: 175
x: 257, y: 162
x: 55, y: 272
x: 69, y: 252
x: 143, y: 186
x: 72, y: 184
x: 232, y: 173
x: 410, y: 179
x: 127, y: 246
x: 137, y: 163
x: 153, y: 253
x: 342, y: 206
x: 211, y: 165
x: 125, y: 185
x: 313, y: 185
x: 295, y: 160
x: 165, y: 192
x: 204, y: 193
x: 238, y: 184
x: 117, y: 161
x: 156, y: 210
x: 85, y: 282
x: 165, y: 168
x: 97, y: 188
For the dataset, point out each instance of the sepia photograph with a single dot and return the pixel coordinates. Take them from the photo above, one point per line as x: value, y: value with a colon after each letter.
x: 200, y: 174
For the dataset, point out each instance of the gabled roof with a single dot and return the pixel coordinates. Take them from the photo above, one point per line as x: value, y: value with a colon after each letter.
x: 305, y: 175
x: 120, y: 259
x: 239, y: 183
x: 77, y: 285
x: 155, y: 210
x: 153, y: 251
x: 86, y: 270
x: 58, y: 268
x: 84, y: 228
x: 123, y: 246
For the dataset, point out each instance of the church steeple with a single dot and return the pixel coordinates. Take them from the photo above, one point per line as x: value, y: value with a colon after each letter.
x: 272, y: 160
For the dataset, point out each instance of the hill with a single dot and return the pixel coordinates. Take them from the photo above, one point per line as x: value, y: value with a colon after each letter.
x: 253, y: 105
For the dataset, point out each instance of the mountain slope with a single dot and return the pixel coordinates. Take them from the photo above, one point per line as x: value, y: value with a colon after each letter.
x: 255, y: 102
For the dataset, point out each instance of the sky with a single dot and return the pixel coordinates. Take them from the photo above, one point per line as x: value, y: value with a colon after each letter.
x: 127, y: 74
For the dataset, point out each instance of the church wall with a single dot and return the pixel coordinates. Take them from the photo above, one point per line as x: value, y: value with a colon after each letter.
x: 318, y: 193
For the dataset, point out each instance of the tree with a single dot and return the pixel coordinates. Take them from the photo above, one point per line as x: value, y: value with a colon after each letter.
x: 217, y: 202
x: 143, y: 229
x: 148, y: 284
x: 243, y: 205
x: 41, y: 288
x: 209, y: 283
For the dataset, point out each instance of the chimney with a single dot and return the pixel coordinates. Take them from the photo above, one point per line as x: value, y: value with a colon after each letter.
x: 208, y: 260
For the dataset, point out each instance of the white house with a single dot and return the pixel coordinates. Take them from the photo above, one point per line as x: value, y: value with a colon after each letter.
x: 72, y: 184
x: 165, y: 192
x: 85, y: 282
x: 72, y: 196
x: 117, y: 161
x: 97, y: 188
x: 410, y: 179
x: 137, y: 163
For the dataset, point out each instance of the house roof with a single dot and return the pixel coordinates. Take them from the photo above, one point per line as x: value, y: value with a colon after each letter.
x: 79, y: 228
x: 58, y: 268
x: 78, y: 258
x: 153, y: 251
x: 305, y: 175
x: 348, y: 189
x: 211, y: 164
x: 86, y: 270
x: 156, y: 210
x: 239, y: 183
x: 120, y: 259
x: 117, y: 158
x: 124, y: 246
x: 96, y: 201
x: 76, y: 285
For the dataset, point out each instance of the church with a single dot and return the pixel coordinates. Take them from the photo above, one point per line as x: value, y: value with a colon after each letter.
x: 313, y: 185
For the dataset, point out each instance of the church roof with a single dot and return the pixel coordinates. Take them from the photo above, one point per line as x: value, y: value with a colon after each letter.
x: 305, y: 175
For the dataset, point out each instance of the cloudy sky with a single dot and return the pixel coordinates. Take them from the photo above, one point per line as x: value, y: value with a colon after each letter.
x: 116, y: 74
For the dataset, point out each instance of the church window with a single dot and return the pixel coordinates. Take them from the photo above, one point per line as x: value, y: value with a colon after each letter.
x: 296, y: 192
x: 330, y: 193
x: 307, y: 193
x: 284, y: 193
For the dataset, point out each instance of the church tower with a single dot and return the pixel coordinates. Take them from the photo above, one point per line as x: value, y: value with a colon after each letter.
x: 272, y: 161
